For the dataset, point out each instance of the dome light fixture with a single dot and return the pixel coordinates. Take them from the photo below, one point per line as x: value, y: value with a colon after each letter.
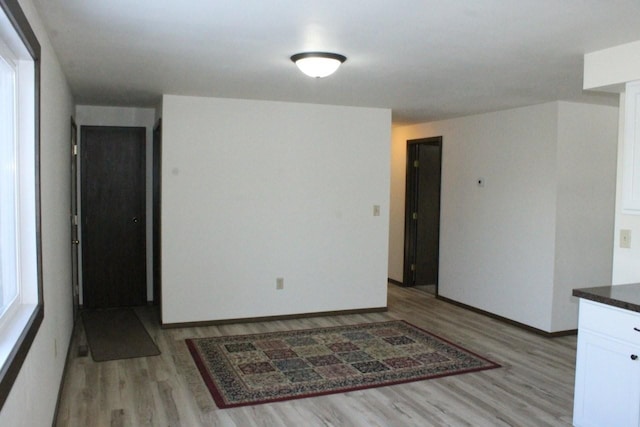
x: 318, y: 64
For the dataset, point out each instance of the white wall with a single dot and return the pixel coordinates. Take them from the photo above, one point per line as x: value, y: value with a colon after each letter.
x: 609, y: 70
x: 255, y: 190
x: 587, y: 147
x: 498, y: 242
x: 400, y: 135
x: 626, y: 261
x: 88, y: 115
x: 33, y: 396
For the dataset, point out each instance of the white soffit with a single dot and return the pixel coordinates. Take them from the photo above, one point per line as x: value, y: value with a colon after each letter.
x: 609, y: 69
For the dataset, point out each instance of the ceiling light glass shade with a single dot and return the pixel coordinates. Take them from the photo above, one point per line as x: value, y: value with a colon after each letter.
x: 318, y: 64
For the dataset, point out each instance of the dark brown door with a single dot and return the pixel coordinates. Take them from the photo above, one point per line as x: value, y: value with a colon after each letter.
x: 422, y: 219
x: 75, y: 291
x: 113, y: 216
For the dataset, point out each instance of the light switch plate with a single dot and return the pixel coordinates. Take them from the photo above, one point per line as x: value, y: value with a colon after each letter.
x: 625, y: 239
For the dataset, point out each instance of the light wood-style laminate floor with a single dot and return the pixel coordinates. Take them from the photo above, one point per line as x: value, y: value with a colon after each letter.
x: 534, y: 387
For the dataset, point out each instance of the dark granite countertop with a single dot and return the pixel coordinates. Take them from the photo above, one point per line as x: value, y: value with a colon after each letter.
x: 622, y: 296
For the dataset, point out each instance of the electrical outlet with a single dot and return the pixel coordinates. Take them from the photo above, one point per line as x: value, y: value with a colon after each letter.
x: 280, y: 283
x: 625, y: 239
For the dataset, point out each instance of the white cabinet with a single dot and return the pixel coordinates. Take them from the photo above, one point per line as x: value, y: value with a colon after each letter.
x: 631, y: 150
x: 607, y: 385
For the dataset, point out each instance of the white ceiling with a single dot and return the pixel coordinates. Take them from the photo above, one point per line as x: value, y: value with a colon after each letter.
x: 424, y: 59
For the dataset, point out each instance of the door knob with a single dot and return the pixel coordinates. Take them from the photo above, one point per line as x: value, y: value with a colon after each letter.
x: 75, y: 242
x: 135, y: 219
x: 634, y: 357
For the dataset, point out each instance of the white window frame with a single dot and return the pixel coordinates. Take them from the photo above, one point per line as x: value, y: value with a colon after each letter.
x: 20, y: 323
x: 9, y: 270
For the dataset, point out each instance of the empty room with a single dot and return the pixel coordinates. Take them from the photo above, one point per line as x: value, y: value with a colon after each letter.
x: 287, y: 213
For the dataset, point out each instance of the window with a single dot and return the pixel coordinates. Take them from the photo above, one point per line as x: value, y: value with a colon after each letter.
x: 9, y: 288
x: 21, y: 305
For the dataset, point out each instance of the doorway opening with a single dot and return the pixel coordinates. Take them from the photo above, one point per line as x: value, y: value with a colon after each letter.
x: 422, y: 213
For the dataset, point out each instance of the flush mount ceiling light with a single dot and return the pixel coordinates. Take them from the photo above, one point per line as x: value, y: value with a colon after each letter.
x: 318, y: 64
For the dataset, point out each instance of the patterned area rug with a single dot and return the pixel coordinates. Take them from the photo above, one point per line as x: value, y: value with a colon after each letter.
x: 251, y: 369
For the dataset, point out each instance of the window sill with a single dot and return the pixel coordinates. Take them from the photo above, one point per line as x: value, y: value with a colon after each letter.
x: 12, y: 328
x: 16, y: 337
